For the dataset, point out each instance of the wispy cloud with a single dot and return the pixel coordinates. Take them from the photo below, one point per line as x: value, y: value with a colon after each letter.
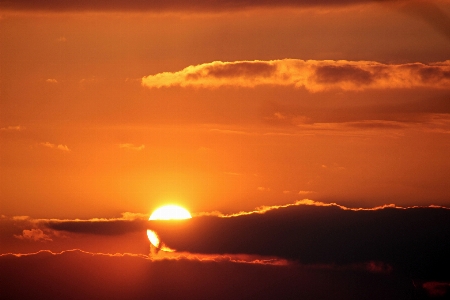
x: 12, y: 128
x: 131, y: 146
x: 312, y: 75
x: 55, y: 146
x: 51, y: 80
x: 34, y: 235
x: 175, y: 5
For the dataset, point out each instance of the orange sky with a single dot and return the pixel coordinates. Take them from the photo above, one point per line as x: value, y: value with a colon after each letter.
x: 308, y: 138
x: 359, y: 115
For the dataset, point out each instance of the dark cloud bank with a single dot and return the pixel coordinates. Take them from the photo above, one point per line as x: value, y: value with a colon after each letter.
x: 414, y: 241
x: 333, y: 253
x: 82, y: 275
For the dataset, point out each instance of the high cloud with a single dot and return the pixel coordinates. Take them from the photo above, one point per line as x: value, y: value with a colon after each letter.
x: 313, y: 75
x: 131, y: 146
x: 174, y: 5
x: 54, y: 146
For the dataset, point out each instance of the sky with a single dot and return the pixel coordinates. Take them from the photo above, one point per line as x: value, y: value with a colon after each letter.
x: 309, y: 140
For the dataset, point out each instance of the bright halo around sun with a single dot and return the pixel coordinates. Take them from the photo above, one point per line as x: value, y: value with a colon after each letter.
x: 167, y: 212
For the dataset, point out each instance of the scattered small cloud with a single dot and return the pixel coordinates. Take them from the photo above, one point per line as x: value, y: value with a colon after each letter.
x: 36, y: 235
x: 305, y: 192
x: 12, y: 128
x: 227, y: 131
x: 263, y: 189
x: 51, y: 80
x: 132, y: 147
x: 233, y: 173
x: 55, y: 146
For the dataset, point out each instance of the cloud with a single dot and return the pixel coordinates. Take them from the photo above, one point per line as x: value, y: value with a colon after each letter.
x: 430, y: 13
x: 414, y: 241
x: 34, y: 235
x: 312, y: 75
x: 109, y: 227
x: 78, y: 274
x: 54, y: 146
x: 128, y: 223
x: 437, y: 289
x: 174, y: 5
x: 305, y: 192
x: 263, y: 189
x: 12, y: 128
x: 131, y: 146
x: 51, y: 80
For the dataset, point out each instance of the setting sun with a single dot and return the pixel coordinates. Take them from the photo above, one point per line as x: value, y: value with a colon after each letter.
x: 167, y: 212
x: 170, y: 212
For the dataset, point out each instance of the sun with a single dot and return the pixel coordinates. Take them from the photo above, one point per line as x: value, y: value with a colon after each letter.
x: 166, y: 212
x: 170, y: 212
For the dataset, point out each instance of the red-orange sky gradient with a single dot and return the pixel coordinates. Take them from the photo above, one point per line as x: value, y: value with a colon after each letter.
x: 221, y: 107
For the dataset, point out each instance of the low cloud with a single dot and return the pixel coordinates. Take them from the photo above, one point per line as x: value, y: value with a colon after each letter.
x: 414, y: 241
x: 78, y: 274
x: 437, y: 289
x: 34, y: 235
x: 312, y: 75
x: 128, y: 223
x: 51, y: 80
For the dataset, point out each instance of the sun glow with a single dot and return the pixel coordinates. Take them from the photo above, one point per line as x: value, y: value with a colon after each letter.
x: 167, y: 212
x: 170, y: 212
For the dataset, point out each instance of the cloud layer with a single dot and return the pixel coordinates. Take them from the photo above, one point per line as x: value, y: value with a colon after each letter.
x: 159, y: 5
x: 313, y: 75
x: 415, y: 240
x: 77, y: 274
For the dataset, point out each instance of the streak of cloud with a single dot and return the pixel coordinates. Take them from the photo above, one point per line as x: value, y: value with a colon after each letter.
x: 55, y: 146
x: 312, y: 75
x: 430, y: 13
x: 12, y: 128
x: 131, y: 146
x: 77, y: 274
x: 174, y: 5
